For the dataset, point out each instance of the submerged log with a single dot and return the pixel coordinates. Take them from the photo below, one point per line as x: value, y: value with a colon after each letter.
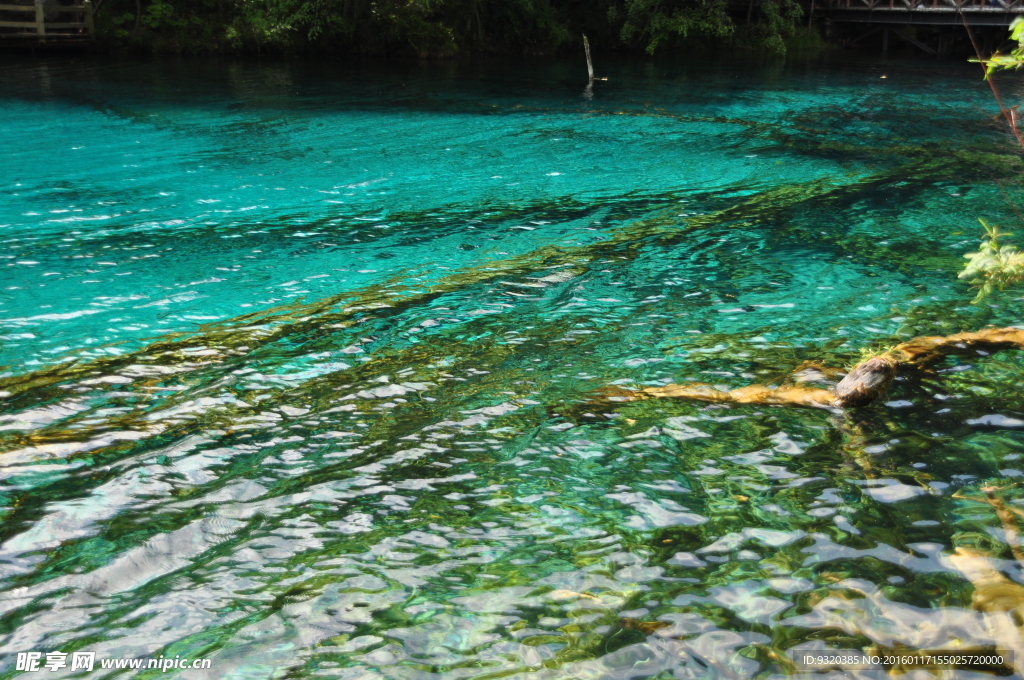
x: 752, y: 394
x: 866, y: 382
x: 923, y: 352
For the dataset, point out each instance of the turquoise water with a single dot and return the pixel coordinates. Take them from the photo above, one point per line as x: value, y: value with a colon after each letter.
x: 302, y: 366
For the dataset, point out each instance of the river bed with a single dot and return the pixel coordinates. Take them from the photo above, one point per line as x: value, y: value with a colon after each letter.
x: 305, y: 365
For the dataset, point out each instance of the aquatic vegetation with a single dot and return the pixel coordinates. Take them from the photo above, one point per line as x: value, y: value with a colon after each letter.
x: 993, y: 266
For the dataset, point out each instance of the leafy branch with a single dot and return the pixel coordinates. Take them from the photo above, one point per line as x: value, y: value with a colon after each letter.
x: 1014, y: 59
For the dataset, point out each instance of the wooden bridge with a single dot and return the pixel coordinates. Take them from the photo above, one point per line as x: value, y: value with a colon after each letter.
x: 934, y: 26
x: 46, y: 22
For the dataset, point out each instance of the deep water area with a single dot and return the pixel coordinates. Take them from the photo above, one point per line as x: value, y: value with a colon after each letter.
x: 304, y: 366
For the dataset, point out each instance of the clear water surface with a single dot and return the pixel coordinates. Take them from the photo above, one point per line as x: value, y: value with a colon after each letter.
x: 303, y: 366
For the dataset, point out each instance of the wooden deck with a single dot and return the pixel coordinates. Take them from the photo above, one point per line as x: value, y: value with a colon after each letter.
x: 936, y: 27
x: 46, y: 23
x: 924, y: 12
x: 941, y: 6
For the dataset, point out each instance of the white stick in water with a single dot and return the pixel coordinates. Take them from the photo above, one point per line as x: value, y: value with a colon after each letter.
x: 590, y: 64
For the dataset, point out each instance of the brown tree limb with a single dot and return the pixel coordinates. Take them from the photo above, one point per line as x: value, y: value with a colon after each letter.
x: 1006, y: 113
x: 866, y: 382
x: 1000, y: 600
x: 923, y: 352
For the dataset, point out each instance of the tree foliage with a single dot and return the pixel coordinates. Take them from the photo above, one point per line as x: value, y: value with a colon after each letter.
x: 658, y: 21
x: 778, y: 21
x: 1014, y: 59
x: 440, y: 27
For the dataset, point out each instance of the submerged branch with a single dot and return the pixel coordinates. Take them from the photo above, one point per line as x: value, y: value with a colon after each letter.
x: 925, y: 351
x: 1007, y: 517
x: 999, y: 600
x: 866, y: 382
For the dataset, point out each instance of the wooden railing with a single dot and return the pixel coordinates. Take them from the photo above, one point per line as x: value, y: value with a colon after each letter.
x: 41, y: 29
x: 1016, y: 6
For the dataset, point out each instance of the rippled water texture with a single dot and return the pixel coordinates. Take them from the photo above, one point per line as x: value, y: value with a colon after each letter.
x: 301, y: 367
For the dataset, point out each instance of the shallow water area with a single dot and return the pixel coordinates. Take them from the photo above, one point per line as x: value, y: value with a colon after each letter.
x: 304, y: 366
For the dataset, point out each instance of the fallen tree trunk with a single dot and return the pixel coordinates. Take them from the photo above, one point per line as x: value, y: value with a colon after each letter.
x: 866, y: 382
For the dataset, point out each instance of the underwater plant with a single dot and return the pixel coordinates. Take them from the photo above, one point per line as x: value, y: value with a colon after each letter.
x: 994, y: 265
